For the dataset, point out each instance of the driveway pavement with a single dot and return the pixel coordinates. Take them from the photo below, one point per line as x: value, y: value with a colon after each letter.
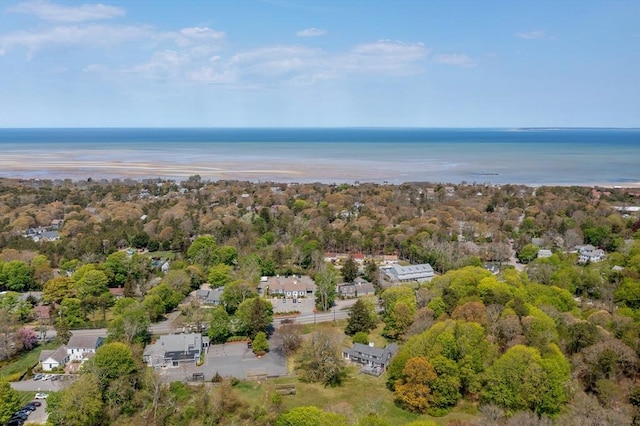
x: 229, y: 360
x: 43, y: 385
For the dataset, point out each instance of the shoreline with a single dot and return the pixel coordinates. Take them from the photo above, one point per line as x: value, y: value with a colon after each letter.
x: 270, y: 171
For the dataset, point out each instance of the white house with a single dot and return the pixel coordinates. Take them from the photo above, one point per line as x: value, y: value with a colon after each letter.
x: 589, y: 253
x: 52, y: 359
x: 81, y: 348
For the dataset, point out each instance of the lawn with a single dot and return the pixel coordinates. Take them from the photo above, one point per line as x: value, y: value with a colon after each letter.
x: 359, y: 395
x: 25, y: 361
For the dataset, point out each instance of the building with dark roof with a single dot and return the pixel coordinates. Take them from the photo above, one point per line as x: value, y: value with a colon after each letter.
x: 374, y: 360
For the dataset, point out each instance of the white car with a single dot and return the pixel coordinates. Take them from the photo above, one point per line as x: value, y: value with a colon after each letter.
x: 41, y: 395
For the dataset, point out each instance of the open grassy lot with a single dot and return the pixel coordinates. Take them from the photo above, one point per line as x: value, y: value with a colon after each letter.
x: 24, y: 361
x: 361, y: 394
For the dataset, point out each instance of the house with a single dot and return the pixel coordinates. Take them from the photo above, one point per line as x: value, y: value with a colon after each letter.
x: 374, y: 360
x: 174, y: 350
x: 211, y: 297
x: 53, y: 359
x: 544, y: 253
x: 117, y: 292
x: 359, y: 287
x: 420, y: 273
x: 81, y: 348
x: 294, y: 286
x: 589, y: 253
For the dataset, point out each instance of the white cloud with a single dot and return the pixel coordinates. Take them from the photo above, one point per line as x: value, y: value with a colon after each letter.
x: 455, y: 59
x: 385, y: 57
x: 91, y: 35
x: 311, y: 32
x: 48, y: 11
x: 196, y: 35
x: 532, y: 35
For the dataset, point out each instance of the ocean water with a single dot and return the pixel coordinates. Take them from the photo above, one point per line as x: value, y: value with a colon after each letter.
x: 526, y: 156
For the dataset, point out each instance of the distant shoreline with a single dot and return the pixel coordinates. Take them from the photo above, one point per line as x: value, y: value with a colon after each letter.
x: 582, y: 157
x: 283, y: 173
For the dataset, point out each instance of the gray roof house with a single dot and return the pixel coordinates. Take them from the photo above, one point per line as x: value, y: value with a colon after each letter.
x: 374, y: 360
x: 359, y: 287
x: 52, y: 359
x: 420, y: 273
x: 210, y: 297
x: 174, y: 350
x: 289, y: 286
x: 80, y: 348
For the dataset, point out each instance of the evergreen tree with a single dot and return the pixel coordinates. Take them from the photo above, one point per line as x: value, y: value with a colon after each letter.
x: 359, y: 319
x: 260, y: 344
x: 349, y: 270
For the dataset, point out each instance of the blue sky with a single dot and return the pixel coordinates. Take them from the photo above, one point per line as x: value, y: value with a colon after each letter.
x: 285, y: 63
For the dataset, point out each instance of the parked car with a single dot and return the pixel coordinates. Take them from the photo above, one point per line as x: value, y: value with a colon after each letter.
x: 38, y: 376
x: 41, y: 395
x: 28, y: 408
x: 35, y: 403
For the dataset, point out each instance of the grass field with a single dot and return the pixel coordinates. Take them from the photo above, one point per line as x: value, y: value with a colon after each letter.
x: 25, y: 361
x: 358, y: 396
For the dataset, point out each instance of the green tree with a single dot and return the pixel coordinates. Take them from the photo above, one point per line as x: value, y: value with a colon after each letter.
x: 203, y: 251
x: 326, y: 282
x: 260, y: 344
x: 349, y: 270
x: 360, y: 337
x: 220, y: 326
x: 522, y: 380
x: 9, y: 401
x: 130, y: 325
x: 57, y: 289
x: 78, y: 405
x: 220, y: 275
x: 111, y: 361
x: 528, y: 253
x: 254, y: 315
x: 359, y: 319
x: 117, y: 268
x: 235, y: 294
x: 16, y: 276
x: 320, y: 359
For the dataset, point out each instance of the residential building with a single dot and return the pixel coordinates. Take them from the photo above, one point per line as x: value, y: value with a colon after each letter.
x: 374, y: 360
x: 81, y: 348
x: 53, y: 359
x: 212, y: 297
x: 175, y: 350
x: 420, y: 273
x: 359, y: 287
x: 589, y: 253
x: 292, y: 286
x: 544, y: 253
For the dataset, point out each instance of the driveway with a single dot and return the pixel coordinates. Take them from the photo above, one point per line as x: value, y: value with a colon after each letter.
x: 43, y: 385
x: 229, y: 360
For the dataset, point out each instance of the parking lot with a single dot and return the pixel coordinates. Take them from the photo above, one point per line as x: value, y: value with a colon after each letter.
x: 229, y: 360
x: 44, y: 385
x: 39, y: 415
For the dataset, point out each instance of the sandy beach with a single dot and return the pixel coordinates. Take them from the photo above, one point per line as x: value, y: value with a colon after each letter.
x: 57, y: 167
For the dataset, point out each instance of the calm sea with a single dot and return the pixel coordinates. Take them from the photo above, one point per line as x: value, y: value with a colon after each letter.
x: 528, y: 156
